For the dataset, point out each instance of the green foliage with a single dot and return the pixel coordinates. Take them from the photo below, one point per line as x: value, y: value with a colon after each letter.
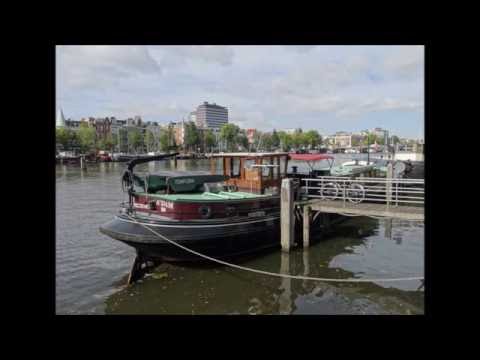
x: 242, y: 139
x: 150, y: 141
x: 369, y: 139
x: 135, y: 139
x: 192, y: 136
x: 87, y: 137
x: 285, y: 140
x: 171, y: 138
x: 298, y: 138
x: 275, y: 139
x: 109, y: 142
x: 267, y: 142
x: 67, y: 138
x: 229, y: 134
x: 210, y: 139
x: 164, y: 141
x: 312, y: 139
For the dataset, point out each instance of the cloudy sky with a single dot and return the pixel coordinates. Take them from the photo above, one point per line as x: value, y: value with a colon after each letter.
x: 327, y: 88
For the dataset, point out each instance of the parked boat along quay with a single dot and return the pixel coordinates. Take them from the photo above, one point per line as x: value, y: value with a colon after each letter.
x: 92, y: 268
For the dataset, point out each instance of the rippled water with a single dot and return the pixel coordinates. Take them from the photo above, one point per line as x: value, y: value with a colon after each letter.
x: 91, y: 269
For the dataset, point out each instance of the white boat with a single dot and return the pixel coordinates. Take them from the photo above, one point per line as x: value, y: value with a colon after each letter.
x: 350, y: 168
x: 357, y: 162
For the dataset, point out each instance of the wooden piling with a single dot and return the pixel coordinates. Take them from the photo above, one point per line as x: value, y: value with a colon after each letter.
x: 306, y: 226
x: 83, y: 165
x: 389, y: 183
x: 287, y: 219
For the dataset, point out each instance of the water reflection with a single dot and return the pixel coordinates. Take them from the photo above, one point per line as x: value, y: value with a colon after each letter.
x: 178, y: 289
x: 285, y: 299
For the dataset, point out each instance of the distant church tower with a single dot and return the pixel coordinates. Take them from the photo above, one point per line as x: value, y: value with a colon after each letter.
x: 60, y: 119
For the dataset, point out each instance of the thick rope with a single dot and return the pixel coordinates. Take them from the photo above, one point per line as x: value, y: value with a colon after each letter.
x: 299, y: 277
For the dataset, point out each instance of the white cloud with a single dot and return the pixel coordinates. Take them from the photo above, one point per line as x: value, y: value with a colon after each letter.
x: 179, y: 55
x: 97, y: 66
x: 261, y: 85
x: 302, y: 49
x: 406, y: 61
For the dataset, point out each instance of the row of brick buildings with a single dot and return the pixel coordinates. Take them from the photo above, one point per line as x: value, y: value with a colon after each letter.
x: 206, y: 117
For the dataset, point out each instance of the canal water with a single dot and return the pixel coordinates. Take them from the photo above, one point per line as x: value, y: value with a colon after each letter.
x: 91, y: 269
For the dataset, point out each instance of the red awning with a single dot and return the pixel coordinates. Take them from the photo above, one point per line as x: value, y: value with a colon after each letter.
x: 310, y: 157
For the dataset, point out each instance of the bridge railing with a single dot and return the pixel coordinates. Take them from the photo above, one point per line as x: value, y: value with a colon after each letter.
x: 389, y: 191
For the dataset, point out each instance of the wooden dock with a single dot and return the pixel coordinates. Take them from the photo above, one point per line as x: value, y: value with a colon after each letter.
x: 376, y: 197
x: 366, y: 209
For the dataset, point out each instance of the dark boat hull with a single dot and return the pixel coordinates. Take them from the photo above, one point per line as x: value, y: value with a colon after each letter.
x: 218, y: 239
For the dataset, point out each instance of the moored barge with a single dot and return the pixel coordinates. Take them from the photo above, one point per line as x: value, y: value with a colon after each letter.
x: 219, y: 215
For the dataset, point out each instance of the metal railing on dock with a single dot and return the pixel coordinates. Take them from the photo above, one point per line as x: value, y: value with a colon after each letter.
x: 389, y: 191
x: 385, y: 198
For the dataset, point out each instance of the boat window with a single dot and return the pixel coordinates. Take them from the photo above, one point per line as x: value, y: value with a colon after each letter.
x: 156, y: 184
x: 249, y: 163
x: 213, y: 187
x: 267, y: 169
x: 138, y: 184
x: 235, y: 167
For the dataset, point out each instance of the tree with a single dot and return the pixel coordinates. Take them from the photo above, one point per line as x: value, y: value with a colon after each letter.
x: 275, y: 139
x: 209, y: 139
x: 369, y: 139
x: 242, y: 139
x: 395, y: 139
x: 109, y: 142
x: 61, y: 137
x: 135, y: 139
x: 312, y: 139
x: 285, y: 140
x: 114, y: 141
x: 192, y: 137
x: 100, y: 145
x: 267, y: 141
x: 229, y: 133
x: 66, y: 137
x: 86, y: 137
x: 150, y: 141
x: 164, y: 141
x: 298, y: 138
x: 171, y: 137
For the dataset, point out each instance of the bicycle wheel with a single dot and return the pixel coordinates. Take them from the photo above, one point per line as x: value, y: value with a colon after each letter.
x: 329, y: 191
x: 355, y: 193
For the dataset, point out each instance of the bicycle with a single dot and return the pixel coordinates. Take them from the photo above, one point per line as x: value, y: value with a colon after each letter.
x: 355, y: 193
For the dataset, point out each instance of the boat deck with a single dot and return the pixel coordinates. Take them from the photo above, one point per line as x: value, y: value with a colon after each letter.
x: 223, y: 195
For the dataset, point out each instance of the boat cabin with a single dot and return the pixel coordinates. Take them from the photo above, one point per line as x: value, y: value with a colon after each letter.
x: 177, y: 182
x: 260, y: 173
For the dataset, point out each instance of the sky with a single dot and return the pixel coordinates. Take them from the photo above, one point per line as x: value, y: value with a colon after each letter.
x: 325, y: 88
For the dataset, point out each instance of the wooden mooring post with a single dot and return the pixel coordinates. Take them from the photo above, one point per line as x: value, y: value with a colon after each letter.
x: 389, y: 183
x: 306, y: 226
x: 83, y: 165
x: 287, y: 218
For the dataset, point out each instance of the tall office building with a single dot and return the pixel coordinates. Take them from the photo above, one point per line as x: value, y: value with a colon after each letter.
x: 211, y: 116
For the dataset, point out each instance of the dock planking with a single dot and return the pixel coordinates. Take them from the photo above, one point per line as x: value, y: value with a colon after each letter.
x: 367, y: 209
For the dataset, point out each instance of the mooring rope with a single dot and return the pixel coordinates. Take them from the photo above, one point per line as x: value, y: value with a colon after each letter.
x: 288, y: 276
